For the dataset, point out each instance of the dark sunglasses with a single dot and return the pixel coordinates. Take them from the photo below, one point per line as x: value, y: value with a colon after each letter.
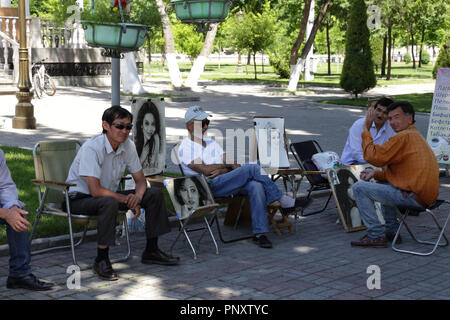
x: 205, y: 122
x: 121, y: 126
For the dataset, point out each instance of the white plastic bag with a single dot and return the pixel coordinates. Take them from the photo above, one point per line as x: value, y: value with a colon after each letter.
x: 325, y: 160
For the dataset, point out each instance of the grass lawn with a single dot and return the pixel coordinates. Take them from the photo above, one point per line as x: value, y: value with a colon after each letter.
x: 20, y: 163
x: 401, y: 73
x: 421, y: 102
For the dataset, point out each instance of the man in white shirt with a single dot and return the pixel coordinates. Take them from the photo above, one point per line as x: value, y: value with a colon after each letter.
x: 200, y: 154
x: 380, y: 130
x: 97, y: 170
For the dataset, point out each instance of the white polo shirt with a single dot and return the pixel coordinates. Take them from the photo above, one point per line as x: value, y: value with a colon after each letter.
x: 190, y: 150
x: 96, y: 158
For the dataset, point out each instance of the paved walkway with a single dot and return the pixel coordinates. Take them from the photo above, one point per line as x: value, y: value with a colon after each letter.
x: 316, y: 262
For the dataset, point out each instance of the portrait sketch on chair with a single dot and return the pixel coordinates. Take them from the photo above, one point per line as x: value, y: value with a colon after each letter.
x: 341, y: 181
x: 188, y: 193
x: 271, y: 145
x: 149, y: 134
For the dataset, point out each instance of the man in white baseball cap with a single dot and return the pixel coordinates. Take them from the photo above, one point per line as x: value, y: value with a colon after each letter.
x: 195, y: 113
x: 201, y: 154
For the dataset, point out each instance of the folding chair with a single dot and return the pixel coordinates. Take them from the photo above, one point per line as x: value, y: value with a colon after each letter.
x: 203, y: 211
x: 303, y: 152
x: 235, y: 204
x: 437, y: 243
x: 52, y: 160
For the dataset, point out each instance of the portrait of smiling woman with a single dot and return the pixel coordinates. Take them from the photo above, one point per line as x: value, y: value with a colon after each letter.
x: 190, y: 194
x: 149, y: 136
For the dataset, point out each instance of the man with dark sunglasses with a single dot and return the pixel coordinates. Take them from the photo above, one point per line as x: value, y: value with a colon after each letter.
x: 97, y: 171
x: 200, y: 154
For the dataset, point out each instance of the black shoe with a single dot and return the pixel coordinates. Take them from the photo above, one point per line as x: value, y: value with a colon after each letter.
x: 29, y: 282
x: 159, y: 257
x: 105, y: 271
x: 299, y: 203
x: 262, y: 241
x: 390, y: 237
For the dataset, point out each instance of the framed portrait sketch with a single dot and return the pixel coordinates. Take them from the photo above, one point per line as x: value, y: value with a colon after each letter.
x: 341, y: 181
x: 149, y: 134
x: 270, y: 137
x: 188, y: 193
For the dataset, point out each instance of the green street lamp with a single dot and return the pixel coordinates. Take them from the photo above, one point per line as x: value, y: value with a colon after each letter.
x: 24, y: 115
x: 201, y: 12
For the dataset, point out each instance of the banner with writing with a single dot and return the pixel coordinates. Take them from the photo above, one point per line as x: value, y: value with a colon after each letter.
x: 438, y: 136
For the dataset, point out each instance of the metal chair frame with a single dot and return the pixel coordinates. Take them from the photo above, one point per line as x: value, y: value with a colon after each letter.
x: 78, y: 218
x: 435, y: 244
x: 307, y: 173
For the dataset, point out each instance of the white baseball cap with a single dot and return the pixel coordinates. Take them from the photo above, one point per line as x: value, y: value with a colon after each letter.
x: 195, y: 113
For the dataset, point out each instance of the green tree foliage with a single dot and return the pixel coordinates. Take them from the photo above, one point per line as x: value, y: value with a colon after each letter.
x: 443, y: 60
x: 187, y: 40
x: 251, y: 32
x: 357, y: 73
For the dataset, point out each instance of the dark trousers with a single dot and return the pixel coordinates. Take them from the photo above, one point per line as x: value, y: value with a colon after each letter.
x: 107, y: 208
x: 19, y: 251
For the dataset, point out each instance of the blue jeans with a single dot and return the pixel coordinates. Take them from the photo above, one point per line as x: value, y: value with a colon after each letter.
x: 19, y: 252
x: 366, y: 193
x: 248, y: 180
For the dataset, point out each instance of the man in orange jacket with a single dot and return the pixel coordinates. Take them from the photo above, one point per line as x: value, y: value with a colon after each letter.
x: 410, y: 175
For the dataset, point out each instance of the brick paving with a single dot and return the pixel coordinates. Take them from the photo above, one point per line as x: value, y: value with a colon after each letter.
x: 316, y: 262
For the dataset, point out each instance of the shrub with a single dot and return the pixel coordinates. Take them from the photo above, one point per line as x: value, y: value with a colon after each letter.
x: 407, y: 58
x: 425, y: 57
x: 357, y: 73
x: 443, y: 59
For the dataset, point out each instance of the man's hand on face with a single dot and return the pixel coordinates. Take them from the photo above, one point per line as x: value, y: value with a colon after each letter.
x: 370, y: 117
x: 17, y: 220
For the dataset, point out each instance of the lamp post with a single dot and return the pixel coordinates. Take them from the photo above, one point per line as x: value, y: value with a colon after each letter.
x: 24, y: 116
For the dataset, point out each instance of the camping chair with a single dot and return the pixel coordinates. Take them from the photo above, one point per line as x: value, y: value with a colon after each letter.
x: 184, y: 218
x: 441, y: 229
x: 236, y: 204
x: 303, y: 152
x: 52, y: 161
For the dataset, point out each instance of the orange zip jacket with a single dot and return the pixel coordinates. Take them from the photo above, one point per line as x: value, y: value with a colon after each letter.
x: 409, y: 162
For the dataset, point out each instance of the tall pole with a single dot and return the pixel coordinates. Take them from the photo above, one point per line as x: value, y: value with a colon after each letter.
x: 24, y: 116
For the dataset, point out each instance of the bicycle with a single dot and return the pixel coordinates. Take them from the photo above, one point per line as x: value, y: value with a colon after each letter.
x: 42, y: 82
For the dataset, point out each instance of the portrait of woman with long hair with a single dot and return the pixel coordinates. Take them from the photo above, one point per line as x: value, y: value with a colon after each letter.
x: 148, y: 138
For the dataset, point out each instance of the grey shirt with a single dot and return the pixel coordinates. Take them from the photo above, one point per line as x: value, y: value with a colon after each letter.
x: 8, y: 190
x: 96, y: 158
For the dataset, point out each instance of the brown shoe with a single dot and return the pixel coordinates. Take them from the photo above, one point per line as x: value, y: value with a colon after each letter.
x: 159, y: 257
x: 372, y: 243
x: 105, y: 271
x: 390, y: 237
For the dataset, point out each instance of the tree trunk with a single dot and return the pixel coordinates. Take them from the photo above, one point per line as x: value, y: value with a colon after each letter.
x: 199, y: 64
x: 293, y: 81
x: 328, y: 48
x: 421, y: 47
x: 301, y: 34
x: 254, y: 63
x: 412, y: 49
x: 383, y: 61
x: 388, y: 77
x: 174, y: 70
x: 149, y: 52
